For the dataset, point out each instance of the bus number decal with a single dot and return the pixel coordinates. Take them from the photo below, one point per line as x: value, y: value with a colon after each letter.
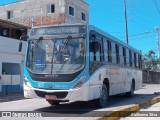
x: 40, y: 85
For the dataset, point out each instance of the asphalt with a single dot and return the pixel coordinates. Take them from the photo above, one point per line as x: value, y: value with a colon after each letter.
x: 121, y: 112
x: 11, y: 96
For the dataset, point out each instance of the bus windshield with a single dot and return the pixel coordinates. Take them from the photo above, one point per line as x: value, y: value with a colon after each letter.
x: 58, y: 56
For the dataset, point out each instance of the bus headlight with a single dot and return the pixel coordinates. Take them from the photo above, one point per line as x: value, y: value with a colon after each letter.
x: 26, y: 81
x: 80, y: 82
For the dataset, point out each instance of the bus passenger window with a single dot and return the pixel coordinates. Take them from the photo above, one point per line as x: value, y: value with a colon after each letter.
x: 130, y: 58
x: 109, y: 51
x: 95, y: 51
x: 117, y: 54
x: 135, y: 60
x: 124, y: 56
x: 95, y: 56
x: 105, y: 50
x: 98, y: 52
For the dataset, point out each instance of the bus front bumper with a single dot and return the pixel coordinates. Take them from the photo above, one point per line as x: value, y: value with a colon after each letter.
x: 72, y: 95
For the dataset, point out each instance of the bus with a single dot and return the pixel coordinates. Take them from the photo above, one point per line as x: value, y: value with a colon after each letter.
x: 69, y: 63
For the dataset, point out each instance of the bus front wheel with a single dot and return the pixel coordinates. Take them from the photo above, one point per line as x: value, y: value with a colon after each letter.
x: 102, y: 101
x: 53, y: 102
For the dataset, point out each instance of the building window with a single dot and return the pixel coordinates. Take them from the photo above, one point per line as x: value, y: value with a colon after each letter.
x: 50, y: 8
x: 9, y: 14
x: 71, y: 11
x: 83, y: 16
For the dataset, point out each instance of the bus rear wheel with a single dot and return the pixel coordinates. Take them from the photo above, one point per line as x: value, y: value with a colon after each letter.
x: 53, y: 102
x: 102, y: 101
x: 131, y: 92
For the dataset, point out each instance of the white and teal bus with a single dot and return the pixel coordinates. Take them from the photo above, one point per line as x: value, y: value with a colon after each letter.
x: 68, y: 63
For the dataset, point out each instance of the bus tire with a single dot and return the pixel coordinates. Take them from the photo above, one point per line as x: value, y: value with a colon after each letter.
x: 102, y: 101
x: 131, y: 92
x: 53, y: 102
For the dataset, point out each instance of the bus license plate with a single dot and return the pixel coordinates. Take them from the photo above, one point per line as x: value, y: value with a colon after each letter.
x: 50, y: 97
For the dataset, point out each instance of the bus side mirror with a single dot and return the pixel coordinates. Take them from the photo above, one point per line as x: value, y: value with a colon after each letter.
x: 24, y: 38
x: 92, y: 38
x: 94, y: 46
x: 20, y: 46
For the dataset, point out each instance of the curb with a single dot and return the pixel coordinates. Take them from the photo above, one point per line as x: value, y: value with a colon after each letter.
x: 122, y: 112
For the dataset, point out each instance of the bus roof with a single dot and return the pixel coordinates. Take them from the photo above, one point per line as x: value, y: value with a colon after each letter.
x: 91, y: 27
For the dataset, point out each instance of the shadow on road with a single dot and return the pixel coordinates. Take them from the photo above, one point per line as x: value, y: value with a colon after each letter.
x: 88, y: 108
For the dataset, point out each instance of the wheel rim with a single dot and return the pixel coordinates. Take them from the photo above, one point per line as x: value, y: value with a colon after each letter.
x: 103, y: 98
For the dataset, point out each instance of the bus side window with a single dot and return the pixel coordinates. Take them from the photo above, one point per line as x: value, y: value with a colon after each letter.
x: 124, y: 56
x: 109, y: 51
x: 130, y: 58
x: 95, y: 55
x: 98, y: 52
x: 113, y: 52
x: 105, y: 50
x: 135, y: 60
x: 127, y: 57
x: 95, y: 51
x: 117, y: 53
x: 91, y: 51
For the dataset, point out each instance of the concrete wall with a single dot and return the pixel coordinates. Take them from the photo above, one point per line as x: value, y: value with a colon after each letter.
x: 79, y: 7
x: 153, y: 78
x: 25, y: 10
x: 9, y: 54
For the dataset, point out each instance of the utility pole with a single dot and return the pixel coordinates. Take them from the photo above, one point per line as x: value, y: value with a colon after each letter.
x: 32, y: 22
x: 41, y: 12
x: 125, y: 18
x: 158, y: 41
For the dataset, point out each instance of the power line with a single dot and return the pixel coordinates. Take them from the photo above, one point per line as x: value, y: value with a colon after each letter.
x: 135, y: 35
x: 156, y: 5
x: 146, y: 20
x: 142, y: 37
x: 146, y: 14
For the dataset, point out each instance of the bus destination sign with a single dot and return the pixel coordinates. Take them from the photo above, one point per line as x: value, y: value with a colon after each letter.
x: 55, y: 30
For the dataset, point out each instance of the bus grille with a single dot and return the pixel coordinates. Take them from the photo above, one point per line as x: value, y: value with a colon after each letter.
x: 59, y: 95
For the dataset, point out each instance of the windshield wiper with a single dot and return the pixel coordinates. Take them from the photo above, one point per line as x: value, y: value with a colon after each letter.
x: 66, y: 42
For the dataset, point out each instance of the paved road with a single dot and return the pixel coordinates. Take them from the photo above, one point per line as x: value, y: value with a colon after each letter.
x: 151, y: 112
x: 80, y: 108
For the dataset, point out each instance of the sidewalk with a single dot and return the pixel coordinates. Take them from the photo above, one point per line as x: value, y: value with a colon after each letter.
x: 12, y: 96
x: 151, y: 112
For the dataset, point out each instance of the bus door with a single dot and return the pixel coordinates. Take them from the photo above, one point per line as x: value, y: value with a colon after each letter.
x: 95, y: 64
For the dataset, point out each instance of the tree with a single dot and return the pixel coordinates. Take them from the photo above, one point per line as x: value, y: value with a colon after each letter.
x: 150, y: 63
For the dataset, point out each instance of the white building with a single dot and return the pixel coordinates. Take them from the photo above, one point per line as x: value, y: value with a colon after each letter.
x: 11, y: 59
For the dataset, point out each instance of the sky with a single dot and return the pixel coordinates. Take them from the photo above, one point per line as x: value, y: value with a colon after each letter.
x: 142, y: 16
